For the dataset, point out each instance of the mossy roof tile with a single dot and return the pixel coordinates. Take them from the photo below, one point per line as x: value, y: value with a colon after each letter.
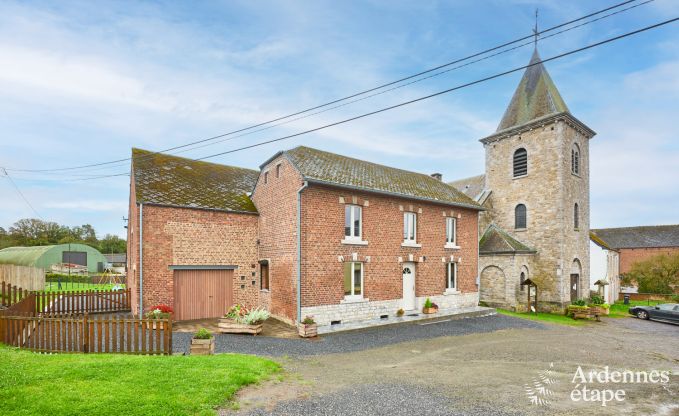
x: 650, y: 236
x: 495, y: 240
x: 176, y: 181
x: 319, y: 166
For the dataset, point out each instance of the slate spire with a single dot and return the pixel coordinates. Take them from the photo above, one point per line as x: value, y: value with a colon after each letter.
x: 535, y: 97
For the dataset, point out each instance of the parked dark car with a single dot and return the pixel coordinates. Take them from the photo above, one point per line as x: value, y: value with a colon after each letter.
x: 668, y: 312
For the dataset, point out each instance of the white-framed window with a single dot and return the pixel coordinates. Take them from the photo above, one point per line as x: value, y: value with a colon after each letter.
x: 451, y: 276
x: 353, y: 280
x: 353, y: 222
x: 451, y: 231
x: 409, y: 227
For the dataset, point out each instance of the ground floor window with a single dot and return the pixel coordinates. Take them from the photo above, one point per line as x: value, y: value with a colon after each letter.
x: 264, y: 274
x: 353, y: 280
x: 451, y: 276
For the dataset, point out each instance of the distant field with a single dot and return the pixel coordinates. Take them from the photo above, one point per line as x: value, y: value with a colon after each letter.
x: 72, y: 287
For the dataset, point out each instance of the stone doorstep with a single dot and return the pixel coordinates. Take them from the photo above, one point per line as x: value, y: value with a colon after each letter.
x: 457, y: 313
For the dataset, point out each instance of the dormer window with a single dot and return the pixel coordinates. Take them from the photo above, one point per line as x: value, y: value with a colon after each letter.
x: 520, y: 162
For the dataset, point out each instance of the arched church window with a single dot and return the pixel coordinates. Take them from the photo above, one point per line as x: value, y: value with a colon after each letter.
x: 522, y: 279
x: 576, y: 216
x: 520, y: 162
x: 575, y: 159
x: 520, y: 216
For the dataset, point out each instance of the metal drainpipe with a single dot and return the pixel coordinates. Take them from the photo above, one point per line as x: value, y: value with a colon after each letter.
x: 141, y: 260
x: 299, y: 250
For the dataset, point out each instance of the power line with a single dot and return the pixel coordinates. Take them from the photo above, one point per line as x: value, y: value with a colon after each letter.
x: 353, y: 95
x: 458, y: 87
x: 19, y: 192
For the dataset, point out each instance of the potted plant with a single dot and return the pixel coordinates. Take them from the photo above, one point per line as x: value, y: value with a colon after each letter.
x: 156, y: 313
x: 202, y: 343
x: 430, y: 307
x: 308, y: 328
x: 400, y: 312
x: 578, y: 309
x: 240, y: 320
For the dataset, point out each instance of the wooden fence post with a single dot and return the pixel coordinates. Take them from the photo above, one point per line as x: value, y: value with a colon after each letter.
x: 86, y: 334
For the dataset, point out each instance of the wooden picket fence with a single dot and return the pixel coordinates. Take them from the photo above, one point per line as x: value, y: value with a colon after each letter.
x: 86, y: 334
x: 60, y: 322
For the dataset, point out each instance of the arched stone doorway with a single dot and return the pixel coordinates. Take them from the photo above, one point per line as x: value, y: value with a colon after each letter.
x: 493, y: 285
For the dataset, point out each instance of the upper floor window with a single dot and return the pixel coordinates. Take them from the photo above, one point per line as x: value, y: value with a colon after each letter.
x: 409, y: 227
x: 451, y: 232
x: 575, y: 159
x: 278, y: 170
x: 353, y: 280
x: 451, y: 276
x: 520, y: 216
x: 576, y: 216
x: 352, y: 221
x: 520, y: 162
x: 266, y: 177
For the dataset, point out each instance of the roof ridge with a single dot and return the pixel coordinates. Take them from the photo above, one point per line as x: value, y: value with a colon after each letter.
x: 635, y: 227
x: 188, y: 159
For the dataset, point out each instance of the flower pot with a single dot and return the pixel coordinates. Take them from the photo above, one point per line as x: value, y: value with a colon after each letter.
x: 202, y: 346
x: 229, y: 326
x: 307, y: 330
x: 430, y: 310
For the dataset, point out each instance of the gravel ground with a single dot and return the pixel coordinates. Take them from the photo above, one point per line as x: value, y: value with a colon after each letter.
x: 358, y: 340
x: 378, y: 399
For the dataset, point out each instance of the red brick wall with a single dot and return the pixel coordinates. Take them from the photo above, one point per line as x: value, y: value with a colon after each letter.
x: 276, y: 202
x: 133, y: 247
x: 183, y: 236
x: 323, y: 229
x: 629, y: 256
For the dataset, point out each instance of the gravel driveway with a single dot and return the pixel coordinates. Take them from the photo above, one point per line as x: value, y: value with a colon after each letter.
x: 478, y: 366
x: 357, y: 340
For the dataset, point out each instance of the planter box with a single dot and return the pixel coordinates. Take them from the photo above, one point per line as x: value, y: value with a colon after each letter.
x: 202, y: 346
x: 307, y: 331
x: 228, y: 326
x: 156, y: 325
x: 430, y: 310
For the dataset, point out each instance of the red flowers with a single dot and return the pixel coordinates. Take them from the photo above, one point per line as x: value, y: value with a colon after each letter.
x: 161, y: 308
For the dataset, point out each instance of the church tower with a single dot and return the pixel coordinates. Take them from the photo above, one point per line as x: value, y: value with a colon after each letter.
x: 536, y: 191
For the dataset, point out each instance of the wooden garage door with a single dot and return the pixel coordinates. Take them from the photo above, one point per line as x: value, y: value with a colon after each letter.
x: 202, y: 293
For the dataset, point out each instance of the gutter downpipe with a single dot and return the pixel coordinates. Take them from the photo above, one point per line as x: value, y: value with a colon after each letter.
x: 141, y: 260
x: 299, y: 251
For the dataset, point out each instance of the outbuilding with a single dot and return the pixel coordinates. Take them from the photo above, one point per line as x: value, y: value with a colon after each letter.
x: 45, y: 257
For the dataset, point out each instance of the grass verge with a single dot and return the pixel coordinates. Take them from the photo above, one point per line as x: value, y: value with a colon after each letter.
x: 73, y: 287
x: 620, y: 310
x: 551, y: 318
x: 107, y: 384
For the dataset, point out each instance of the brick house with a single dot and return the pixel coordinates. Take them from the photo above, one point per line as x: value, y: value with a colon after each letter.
x: 311, y: 233
x: 629, y: 245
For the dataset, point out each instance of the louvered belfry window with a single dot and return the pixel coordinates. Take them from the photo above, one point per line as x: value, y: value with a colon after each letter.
x: 520, y: 162
x: 575, y: 159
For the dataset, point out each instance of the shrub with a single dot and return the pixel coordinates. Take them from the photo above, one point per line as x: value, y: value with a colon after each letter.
x: 579, y: 302
x: 400, y: 312
x: 658, y: 274
x: 308, y: 320
x: 236, y: 312
x: 202, y: 334
x: 255, y: 316
x: 427, y: 303
x: 159, y: 312
x: 596, y: 300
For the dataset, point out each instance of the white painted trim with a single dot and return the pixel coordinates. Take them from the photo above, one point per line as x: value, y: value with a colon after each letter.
x: 410, y: 244
x: 354, y: 241
x: 452, y: 246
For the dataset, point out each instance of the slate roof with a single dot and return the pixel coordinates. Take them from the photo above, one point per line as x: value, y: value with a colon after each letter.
x: 535, y: 97
x: 636, y: 237
x: 472, y: 187
x: 176, y: 181
x: 317, y: 166
x: 497, y: 241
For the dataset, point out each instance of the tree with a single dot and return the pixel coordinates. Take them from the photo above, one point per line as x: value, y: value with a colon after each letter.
x: 112, y: 244
x: 658, y: 274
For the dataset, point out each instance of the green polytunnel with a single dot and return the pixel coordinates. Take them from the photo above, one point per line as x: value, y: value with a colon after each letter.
x: 45, y: 256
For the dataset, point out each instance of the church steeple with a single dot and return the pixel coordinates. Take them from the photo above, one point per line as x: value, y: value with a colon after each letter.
x: 535, y: 97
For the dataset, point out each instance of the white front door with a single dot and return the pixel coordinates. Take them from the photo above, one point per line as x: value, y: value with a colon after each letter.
x: 408, y: 286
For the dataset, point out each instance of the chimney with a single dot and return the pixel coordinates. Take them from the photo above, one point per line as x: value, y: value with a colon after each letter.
x: 437, y: 176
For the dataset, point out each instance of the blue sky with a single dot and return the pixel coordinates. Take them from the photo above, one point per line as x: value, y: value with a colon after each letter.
x: 83, y: 82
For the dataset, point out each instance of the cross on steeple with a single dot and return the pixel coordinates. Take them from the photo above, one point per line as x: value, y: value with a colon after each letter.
x: 535, y: 29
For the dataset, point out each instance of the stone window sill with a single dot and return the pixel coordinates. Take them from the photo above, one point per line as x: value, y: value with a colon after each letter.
x: 520, y: 177
x: 410, y: 244
x: 520, y: 229
x: 264, y: 290
x: 354, y: 299
x: 449, y: 292
x: 354, y: 242
x: 452, y: 246
x: 575, y: 174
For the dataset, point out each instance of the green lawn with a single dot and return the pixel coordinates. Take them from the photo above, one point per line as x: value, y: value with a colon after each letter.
x: 620, y: 310
x: 72, y: 287
x: 551, y: 318
x: 107, y: 384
